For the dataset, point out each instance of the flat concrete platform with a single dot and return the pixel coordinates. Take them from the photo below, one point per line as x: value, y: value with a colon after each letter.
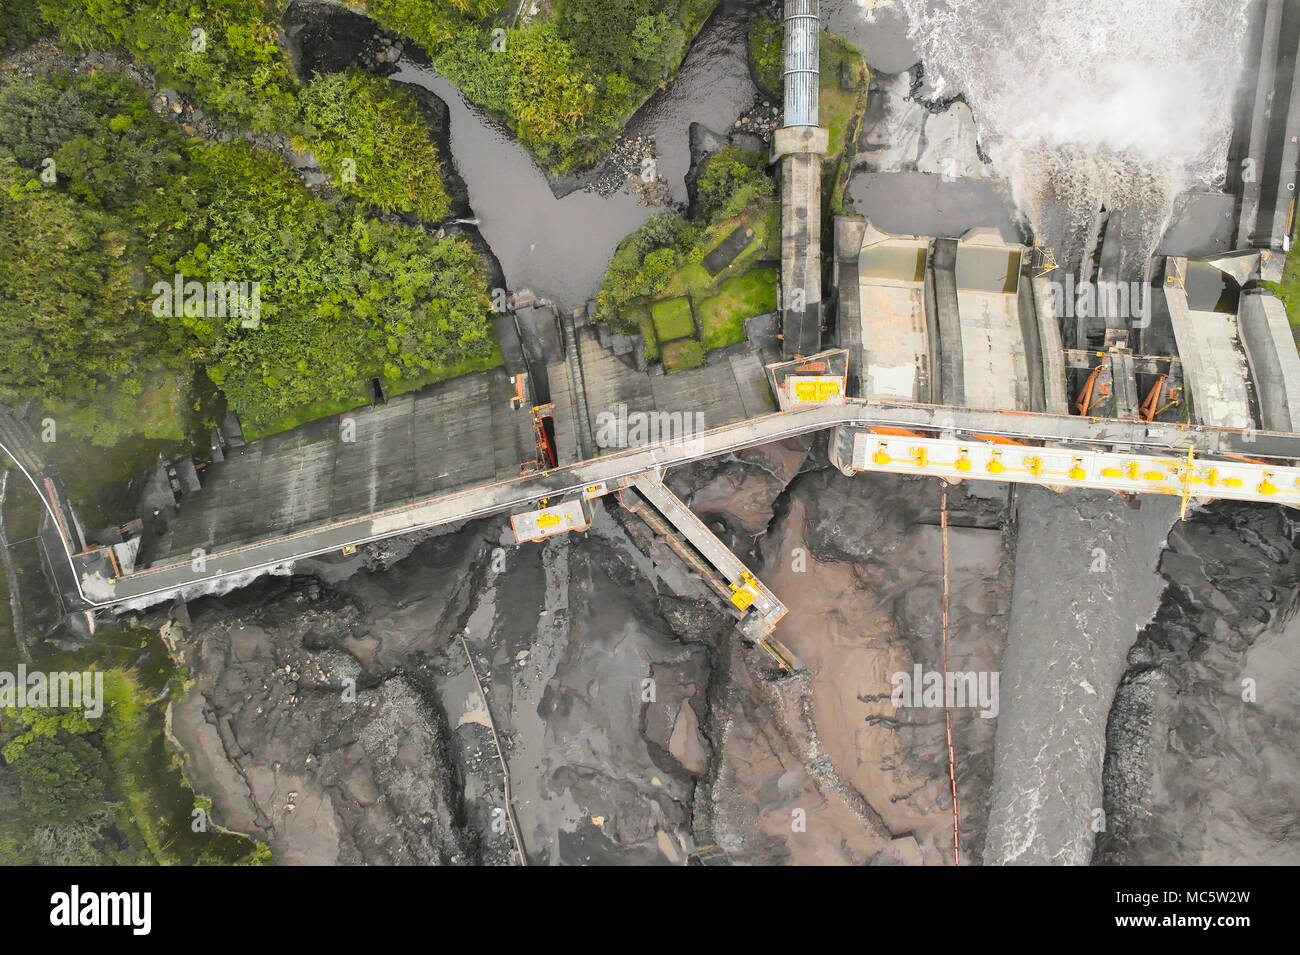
x: 454, y: 434
x: 995, y: 371
x: 1209, y: 345
x: 801, y: 279
x: 1274, y: 364
x: 895, y: 347
x: 732, y: 387
x: 946, y: 318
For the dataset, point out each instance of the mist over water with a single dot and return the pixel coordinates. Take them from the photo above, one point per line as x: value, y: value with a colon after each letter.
x: 1090, y: 103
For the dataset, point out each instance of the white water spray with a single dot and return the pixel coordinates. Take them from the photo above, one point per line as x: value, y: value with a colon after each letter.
x: 1090, y: 103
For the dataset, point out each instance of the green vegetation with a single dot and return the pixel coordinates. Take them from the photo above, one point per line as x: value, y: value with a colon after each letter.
x: 665, y: 253
x: 638, y: 317
x: 682, y: 355
x: 657, y: 273
x: 88, y: 791
x: 71, y: 311
x: 226, y: 54
x: 343, y: 297
x: 134, y: 203
x: 1288, y: 290
x: 359, y: 395
x: 564, y: 85
x: 842, y: 94
x: 723, y: 315
x: 837, y: 106
x: 20, y: 24
x: 371, y: 140
x: 765, y: 53
x: 673, y: 319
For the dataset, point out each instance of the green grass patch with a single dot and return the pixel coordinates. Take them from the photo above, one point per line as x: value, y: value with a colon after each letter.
x: 689, y: 278
x: 673, y: 319
x: 254, y: 429
x: 723, y: 316
x: 836, y: 104
x: 692, y: 278
x: 683, y: 354
x: 640, y: 317
x: 1288, y: 290
x: 401, y: 386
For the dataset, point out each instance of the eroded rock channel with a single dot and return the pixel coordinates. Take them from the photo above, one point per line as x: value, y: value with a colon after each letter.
x: 343, y: 722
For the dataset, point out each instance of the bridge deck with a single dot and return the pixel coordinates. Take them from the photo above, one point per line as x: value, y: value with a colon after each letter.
x: 145, y: 586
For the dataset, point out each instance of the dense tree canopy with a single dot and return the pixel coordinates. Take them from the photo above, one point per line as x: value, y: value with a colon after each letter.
x: 132, y: 203
x: 225, y: 51
x: 371, y: 140
x: 643, y: 265
x: 564, y: 84
x: 227, y: 55
x: 20, y: 23
x: 341, y: 296
x: 69, y: 313
x: 60, y: 771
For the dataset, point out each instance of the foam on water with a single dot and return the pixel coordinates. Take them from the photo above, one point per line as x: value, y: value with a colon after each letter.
x: 1090, y: 103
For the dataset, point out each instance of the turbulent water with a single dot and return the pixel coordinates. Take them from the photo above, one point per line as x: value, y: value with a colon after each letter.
x: 1091, y: 103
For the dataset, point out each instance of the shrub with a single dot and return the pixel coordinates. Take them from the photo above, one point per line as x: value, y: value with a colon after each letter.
x: 371, y: 138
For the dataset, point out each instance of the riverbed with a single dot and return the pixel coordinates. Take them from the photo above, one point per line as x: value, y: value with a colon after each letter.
x: 559, y: 246
x: 452, y: 637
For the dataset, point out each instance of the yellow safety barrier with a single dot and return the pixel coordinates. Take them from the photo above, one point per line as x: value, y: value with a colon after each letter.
x: 822, y: 390
x: 1184, y: 477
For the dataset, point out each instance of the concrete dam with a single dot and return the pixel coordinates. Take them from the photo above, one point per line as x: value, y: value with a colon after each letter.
x: 959, y: 357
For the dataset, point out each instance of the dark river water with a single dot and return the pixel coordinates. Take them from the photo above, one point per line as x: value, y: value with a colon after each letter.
x: 560, y: 247
x: 882, y: 37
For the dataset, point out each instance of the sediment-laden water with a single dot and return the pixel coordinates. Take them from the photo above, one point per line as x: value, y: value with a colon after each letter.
x: 560, y: 246
x: 1091, y: 103
x: 342, y: 720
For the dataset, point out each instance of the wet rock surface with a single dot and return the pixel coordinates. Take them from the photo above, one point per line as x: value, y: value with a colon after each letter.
x: 312, y: 722
x: 592, y: 670
x: 637, y: 725
x: 822, y: 767
x: 1202, y: 765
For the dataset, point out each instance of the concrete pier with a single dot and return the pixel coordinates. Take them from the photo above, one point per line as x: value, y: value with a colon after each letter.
x: 799, y: 147
x: 1265, y: 152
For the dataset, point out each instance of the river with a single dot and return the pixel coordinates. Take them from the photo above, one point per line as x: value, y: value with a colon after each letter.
x: 559, y: 247
x: 631, y: 611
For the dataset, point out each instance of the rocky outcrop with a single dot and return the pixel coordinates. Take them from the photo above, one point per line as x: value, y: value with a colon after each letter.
x: 343, y: 723
x: 822, y: 767
x: 299, y: 744
x: 1201, y: 764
